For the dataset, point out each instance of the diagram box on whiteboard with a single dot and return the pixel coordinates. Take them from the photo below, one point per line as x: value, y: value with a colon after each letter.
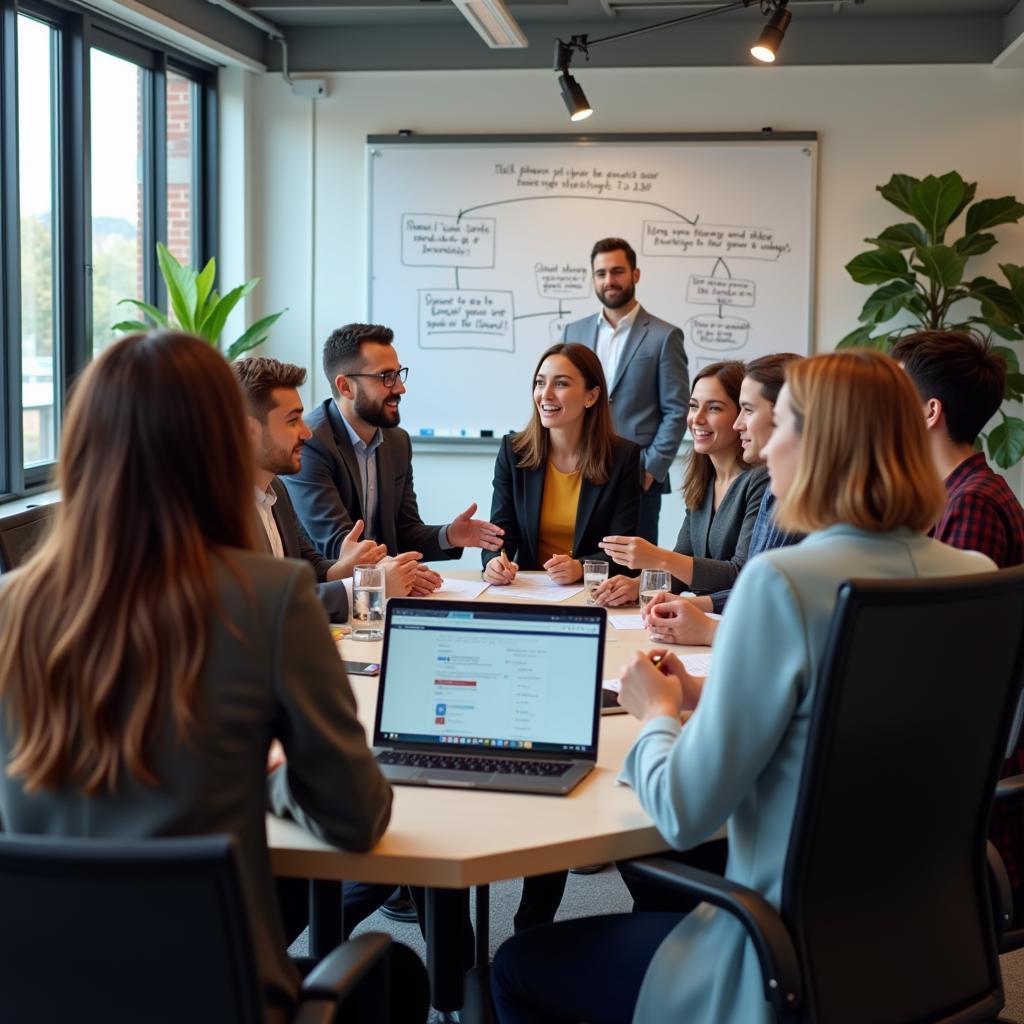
x: 720, y: 291
x: 446, y: 240
x: 562, y: 280
x: 722, y: 241
x: 466, y: 318
x: 717, y: 333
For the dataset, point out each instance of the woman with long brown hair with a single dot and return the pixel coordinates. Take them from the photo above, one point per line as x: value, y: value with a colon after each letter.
x: 722, y: 494
x: 148, y: 658
x: 565, y: 481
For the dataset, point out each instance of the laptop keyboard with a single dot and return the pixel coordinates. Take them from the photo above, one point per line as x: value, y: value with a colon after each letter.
x: 487, y: 765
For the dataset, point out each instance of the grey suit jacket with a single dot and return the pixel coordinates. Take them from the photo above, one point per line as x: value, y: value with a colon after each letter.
x: 333, y: 595
x: 740, y: 757
x: 328, y: 490
x: 650, y: 394
x: 718, y: 539
x: 271, y: 671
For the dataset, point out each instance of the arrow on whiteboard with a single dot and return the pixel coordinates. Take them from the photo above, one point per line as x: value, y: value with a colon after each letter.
x: 588, y: 199
x: 721, y: 263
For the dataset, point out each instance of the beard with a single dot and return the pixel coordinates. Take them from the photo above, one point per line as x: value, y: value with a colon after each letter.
x: 376, y: 413
x: 280, y: 461
x: 624, y: 298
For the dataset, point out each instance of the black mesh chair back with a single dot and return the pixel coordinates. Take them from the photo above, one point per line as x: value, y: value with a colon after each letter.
x: 110, y: 932
x: 21, y: 533
x: 885, y: 890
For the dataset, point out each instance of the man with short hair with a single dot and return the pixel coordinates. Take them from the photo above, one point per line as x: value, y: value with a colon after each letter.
x: 961, y: 381
x: 358, y: 462
x: 645, y: 366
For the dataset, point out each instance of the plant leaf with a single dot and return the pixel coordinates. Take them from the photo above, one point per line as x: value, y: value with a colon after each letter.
x: 878, y: 266
x: 941, y: 263
x: 213, y: 325
x: 258, y: 330
x: 130, y: 326
x: 204, y: 282
x: 898, y: 190
x: 934, y: 202
x: 997, y: 301
x: 975, y: 245
x: 156, y: 315
x: 1014, y: 387
x: 1012, y: 362
x: 181, y: 287
x: 1002, y: 330
x: 885, y: 302
x: 899, y: 236
x: 990, y: 212
x: 970, y: 190
x: 861, y: 338
x: 1006, y: 442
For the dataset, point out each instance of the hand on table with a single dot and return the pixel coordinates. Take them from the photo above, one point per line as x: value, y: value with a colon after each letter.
x: 677, y: 620
x: 632, y: 552
x: 618, y: 590
x: 425, y: 581
x: 500, y: 571
x: 467, y: 532
x: 355, y: 552
x: 400, y: 572
x: 650, y: 691
x: 563, y: 569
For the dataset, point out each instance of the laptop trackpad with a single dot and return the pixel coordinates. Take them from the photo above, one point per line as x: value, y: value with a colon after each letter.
x: 453, y: 775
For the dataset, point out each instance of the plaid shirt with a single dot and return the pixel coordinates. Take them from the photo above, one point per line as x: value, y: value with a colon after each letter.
x: 982, y: 514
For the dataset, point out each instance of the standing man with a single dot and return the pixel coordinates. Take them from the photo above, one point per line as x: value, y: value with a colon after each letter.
x: 358, y: 462
x: 645, y: 365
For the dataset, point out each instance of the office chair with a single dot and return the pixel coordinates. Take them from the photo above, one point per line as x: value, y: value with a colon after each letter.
x: 886, y: 914
x: 21, y: 533
x: 151, y: 930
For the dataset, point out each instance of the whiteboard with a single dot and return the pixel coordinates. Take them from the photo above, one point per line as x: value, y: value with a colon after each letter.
x: 479, y: 254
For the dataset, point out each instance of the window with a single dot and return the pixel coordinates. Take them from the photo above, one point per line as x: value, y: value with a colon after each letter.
x: 105, y: 149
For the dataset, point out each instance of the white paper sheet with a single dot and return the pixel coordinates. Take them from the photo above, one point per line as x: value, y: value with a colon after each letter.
x: 535, y: 588
x: 627, y: 621
x: 697, y: 664
x: 460, y: 590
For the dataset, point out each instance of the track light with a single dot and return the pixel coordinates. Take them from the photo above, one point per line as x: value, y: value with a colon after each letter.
x: 770, y: 39
x: 575, y: 99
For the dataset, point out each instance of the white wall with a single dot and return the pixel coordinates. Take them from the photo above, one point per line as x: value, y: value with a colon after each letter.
x: 872, y: 121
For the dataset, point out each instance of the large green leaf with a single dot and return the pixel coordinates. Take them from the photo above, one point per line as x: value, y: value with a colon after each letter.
x: 990, y: 212
x: 878, y: 266
x: 156, y: 315
x: 1014, y: 387
x: 862, y: 338
x: 899, y: 236
x: 131, y: 326
x: 181, y: 287
x: 1012, y: 362
x: 204, y: 284
x: 1004, y: 331
x: 941, y: 263
x: 975, y: 245
x: 934, y: 202
x: 1006, y: 442
x: 997, y: 301
x: 898, y: 191
x: 254, y: 336
x: 1015, y: 276
x: 213, y: 325
x: 969, y: 193
x: 885, y: 302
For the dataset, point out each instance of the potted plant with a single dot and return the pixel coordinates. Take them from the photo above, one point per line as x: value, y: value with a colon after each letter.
x: 196, y: 306
x: 922, y: 282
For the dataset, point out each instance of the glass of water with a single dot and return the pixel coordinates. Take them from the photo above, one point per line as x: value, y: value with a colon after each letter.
x: 594, y: 574
x: 368, y: 602
x: 651, y: 581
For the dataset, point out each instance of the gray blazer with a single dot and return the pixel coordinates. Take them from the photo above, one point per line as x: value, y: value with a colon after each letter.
x: 328, y: 490
x: 718, y: 539
x: 272, y: 670
x: 333, y: 595
x: 650, y: 394
x: 739, y: 758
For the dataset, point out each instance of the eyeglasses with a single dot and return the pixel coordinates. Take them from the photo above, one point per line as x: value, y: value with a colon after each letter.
x: 388, y: 377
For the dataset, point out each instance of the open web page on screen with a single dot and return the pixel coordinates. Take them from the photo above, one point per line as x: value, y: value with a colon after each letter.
x: 490, y: 679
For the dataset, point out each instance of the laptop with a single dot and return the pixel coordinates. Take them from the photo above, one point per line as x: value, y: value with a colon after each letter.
x: 489, y: 696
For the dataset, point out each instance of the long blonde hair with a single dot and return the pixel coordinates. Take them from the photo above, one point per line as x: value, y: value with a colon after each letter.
x: 104, y: 631
x: 864, y: 456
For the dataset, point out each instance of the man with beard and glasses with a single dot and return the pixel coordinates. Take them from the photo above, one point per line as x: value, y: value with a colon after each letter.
x: 358, y: 462
x: 645, y: 365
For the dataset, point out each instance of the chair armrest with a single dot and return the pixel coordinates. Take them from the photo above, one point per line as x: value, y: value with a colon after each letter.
x: 335, y: 977
x: 1010, y: 788
x: 780, y: 967
x: 1000, y: 894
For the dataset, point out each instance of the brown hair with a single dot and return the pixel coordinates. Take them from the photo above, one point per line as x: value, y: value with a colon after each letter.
x: 531, y: 444
x: 700, y: 471
x: 613, y: 245
x: 105, y: 627
x: 769, y: 372
x: 343, y: 348
x: 259, y: 377
x: 864, y: 457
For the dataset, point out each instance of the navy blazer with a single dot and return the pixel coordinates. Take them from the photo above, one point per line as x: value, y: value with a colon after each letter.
x: 328, y: 490
x: 610, y: 508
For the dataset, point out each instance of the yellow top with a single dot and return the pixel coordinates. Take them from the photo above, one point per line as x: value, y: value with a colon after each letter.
x: 557, y: 525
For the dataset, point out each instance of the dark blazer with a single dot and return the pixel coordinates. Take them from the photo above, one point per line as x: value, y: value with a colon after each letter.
x: 328, y: 490
x: 271, y: 671
x: 610, y: 508
x: 333, y: 595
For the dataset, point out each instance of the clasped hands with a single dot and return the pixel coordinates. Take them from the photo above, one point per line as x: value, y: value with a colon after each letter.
x: 656, y: 683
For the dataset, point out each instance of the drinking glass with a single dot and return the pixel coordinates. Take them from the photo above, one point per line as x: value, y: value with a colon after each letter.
x: 594, y: 574
x: 651, y: 581
x: 368, y: 602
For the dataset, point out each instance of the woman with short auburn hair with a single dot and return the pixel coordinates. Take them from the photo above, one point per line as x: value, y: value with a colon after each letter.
x: 148, y: 658
x: 849, y: 461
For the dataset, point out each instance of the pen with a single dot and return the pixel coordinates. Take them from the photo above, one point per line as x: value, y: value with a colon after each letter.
x: 504, y: 559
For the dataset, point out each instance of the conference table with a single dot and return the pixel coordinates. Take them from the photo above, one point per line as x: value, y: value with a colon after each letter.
x: 449, y: 840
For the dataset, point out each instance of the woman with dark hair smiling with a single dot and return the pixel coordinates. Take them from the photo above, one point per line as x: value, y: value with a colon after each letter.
x: 148, y: 658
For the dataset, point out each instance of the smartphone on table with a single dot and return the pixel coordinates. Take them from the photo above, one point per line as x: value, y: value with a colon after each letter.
x: 362, y: 668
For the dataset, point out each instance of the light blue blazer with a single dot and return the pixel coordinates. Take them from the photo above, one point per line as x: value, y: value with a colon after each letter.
x: 738, y: 760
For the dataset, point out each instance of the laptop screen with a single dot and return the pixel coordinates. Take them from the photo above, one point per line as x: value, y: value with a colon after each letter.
x: 500, y: 677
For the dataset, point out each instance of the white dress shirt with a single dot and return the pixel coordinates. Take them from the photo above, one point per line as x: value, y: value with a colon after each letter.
x: 265, y: 501
x: 610, y: 341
